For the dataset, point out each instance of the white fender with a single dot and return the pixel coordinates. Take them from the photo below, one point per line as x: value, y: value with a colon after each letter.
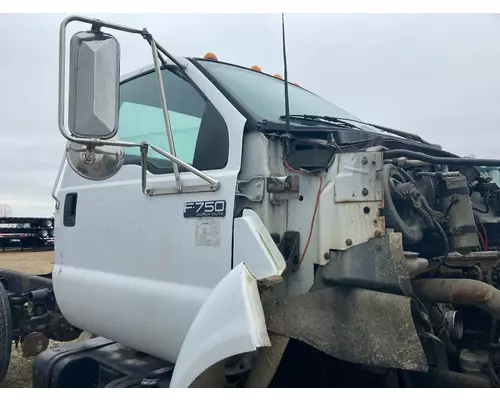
x: 231, y: 321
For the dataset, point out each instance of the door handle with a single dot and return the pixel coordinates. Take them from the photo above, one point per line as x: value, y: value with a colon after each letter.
x: 69, y: 213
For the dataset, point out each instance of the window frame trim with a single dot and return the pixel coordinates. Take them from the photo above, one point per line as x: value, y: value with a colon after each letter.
x: 172, y: 67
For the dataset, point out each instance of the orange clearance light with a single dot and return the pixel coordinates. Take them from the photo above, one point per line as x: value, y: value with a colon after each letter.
x: 256, y: 68
x: 210, y: 56
x: 278, y: 76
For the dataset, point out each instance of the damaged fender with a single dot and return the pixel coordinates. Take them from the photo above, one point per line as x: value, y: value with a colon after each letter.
x: 232, y: 320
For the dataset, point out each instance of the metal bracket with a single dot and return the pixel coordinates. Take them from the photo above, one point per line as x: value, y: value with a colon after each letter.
x: 252, y: 189
x: 184, y: 189
x: 283, y: 187
x: 212, y: 184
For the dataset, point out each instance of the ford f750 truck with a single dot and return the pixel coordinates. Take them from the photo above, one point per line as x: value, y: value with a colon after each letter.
x: 218, y: 226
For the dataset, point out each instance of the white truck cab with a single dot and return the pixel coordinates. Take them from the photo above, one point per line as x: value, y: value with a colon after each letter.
x: 149, y: 254
x: 219, y: 226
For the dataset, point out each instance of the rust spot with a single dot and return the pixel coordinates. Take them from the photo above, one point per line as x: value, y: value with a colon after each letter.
x: 471, y: 295
x: 269, y: 281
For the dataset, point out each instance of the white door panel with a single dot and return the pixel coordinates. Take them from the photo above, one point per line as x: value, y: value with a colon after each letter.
x: 142, y: 268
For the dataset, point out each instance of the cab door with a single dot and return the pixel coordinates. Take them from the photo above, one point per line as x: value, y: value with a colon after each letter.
x: 137, y: 268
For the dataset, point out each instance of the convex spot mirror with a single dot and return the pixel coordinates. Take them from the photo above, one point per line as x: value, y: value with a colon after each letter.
x: 94, y: 84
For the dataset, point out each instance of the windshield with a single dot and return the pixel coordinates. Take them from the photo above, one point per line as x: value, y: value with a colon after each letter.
x: 263, y: 95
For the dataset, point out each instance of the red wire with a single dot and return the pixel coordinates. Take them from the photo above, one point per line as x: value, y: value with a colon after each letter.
x: 293, y: 169
x: 485, y: 238
x: 312, y: 223
x: 320, y: 189
x: 481, y: 240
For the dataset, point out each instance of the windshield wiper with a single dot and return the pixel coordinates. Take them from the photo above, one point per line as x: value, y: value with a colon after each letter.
x: 319, y: 118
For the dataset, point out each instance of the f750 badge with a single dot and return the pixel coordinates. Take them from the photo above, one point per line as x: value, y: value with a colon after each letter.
x: 200, y: 209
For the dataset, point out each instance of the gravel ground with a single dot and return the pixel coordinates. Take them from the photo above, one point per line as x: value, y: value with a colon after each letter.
x: 20, y: 368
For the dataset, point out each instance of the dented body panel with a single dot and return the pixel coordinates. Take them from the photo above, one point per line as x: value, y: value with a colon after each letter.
x: 229, y: 323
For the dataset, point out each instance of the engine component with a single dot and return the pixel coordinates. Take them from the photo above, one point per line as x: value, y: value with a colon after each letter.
x: 411, y: 226
x: 457, y: 206
x: 439, y: 160
x: 454, y: 323
x: 459, y: 291
x: 415, y: 264
x: 473, y: 361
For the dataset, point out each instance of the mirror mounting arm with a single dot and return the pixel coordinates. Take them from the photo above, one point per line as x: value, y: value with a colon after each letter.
x: 166, y: 118
x: 149, y: 38
x: 212, y: 184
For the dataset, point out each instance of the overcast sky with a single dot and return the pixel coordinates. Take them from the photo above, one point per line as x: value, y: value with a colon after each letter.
x: 435, y: 75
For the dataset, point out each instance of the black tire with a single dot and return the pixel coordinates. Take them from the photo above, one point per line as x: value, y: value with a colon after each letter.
x: 5, y: 333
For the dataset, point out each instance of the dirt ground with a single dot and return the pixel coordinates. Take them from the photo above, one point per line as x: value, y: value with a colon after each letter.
x: 20, y: 368
x: 29, y: 262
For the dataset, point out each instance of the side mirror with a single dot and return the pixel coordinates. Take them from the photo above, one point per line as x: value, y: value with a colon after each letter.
x: 94, y: 84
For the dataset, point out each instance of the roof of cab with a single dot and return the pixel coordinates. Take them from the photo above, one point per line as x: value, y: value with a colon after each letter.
x: 183, y: 60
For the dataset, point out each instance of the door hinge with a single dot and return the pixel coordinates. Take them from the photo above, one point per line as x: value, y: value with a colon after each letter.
x: 252, y: 189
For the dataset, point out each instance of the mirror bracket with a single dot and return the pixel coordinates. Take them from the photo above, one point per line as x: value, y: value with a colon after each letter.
x: 211, y: 185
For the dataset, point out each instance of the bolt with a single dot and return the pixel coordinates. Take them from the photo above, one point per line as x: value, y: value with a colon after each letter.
x: 348, y: 242
x: 395, y: 238
x: 259, y: 184
x: 364, y: 161
x: 377, y: 233
x: 326, y: 256
x: 378, y: 248
x: 364, y: 192
x: 257, y: 196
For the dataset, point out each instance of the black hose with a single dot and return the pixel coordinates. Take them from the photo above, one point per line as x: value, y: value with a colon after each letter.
x: 478, y: 162
x: 483, y: 211
x: 430, y: 212
x: 412, y: 233
x: 425, y: 211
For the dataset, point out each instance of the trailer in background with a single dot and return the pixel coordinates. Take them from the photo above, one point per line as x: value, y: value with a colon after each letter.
x: 20, y: 233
